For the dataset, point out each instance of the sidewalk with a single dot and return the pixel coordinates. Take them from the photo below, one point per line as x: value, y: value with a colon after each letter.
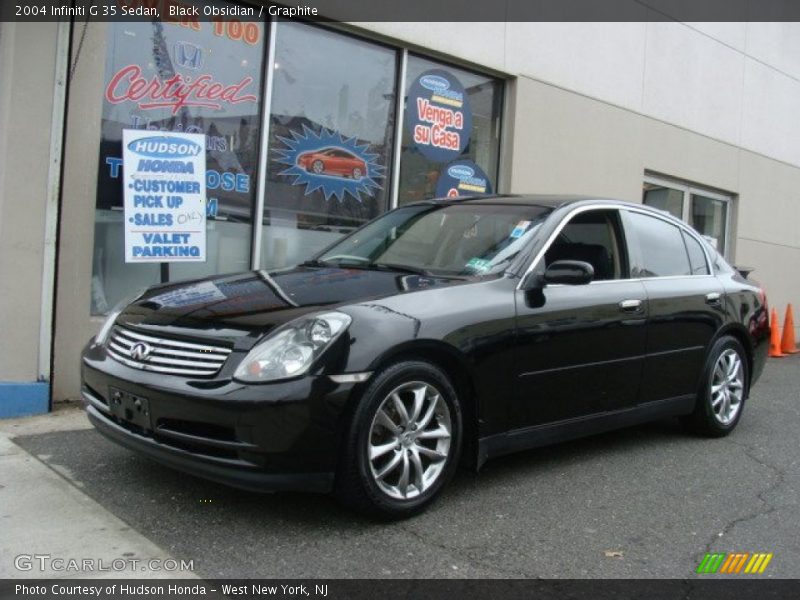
x: 43, y: 512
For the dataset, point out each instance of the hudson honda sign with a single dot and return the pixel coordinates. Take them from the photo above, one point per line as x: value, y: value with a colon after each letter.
x: 165, y: 195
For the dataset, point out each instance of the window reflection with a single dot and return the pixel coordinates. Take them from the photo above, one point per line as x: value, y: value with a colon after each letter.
x: 331, y: 131
x: 709, y: 217
x: 664, y: 198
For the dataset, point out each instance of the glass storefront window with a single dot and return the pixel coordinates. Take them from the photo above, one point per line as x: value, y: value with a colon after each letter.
x: 452, y: 116
x: 159, y: 58
x: 709, y: 217
x: 664, y: 198
x: 332, y: 127
x: 329, y: 149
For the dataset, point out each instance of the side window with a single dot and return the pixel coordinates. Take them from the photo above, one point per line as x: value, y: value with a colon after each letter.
x: 697, y: 257
x: 594, y: 237
x: 663, y: 252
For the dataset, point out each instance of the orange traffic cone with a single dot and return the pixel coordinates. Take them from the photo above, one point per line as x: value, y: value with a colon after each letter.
x: 774, y: 336
x: 788, y: 345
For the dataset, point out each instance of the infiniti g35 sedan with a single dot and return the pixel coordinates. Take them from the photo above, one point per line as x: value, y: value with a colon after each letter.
x: 442, y: 332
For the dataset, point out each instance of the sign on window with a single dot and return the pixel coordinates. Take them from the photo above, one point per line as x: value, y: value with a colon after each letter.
x: 164, y: 178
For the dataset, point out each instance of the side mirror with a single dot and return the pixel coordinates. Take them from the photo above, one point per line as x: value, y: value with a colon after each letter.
x: 569, y: 272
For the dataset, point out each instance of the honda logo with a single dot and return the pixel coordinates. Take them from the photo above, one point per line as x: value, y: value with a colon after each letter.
x: 188, y: 55
x: 140, y: 351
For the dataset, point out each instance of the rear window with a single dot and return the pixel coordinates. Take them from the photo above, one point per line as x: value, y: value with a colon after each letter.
x: 697, y: 257
x: 717, y: 261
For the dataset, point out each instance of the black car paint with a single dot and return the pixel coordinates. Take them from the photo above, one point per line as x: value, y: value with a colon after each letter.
x: 533, y: 365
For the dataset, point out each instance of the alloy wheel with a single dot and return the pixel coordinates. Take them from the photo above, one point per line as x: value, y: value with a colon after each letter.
x: 409, y: 440
x: 727, y: 387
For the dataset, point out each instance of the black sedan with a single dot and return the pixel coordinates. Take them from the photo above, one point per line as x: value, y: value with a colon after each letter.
x: 443, y: 332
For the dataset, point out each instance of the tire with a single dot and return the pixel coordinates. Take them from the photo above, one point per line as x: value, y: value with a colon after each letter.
x: 409, y: 465
x: 723, y: 389
x: 318, y: 167
x: 356, y: 173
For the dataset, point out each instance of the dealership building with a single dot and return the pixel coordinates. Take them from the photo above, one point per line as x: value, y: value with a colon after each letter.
x: 312, y: 129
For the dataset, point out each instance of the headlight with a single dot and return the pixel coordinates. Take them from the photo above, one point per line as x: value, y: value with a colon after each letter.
x: 293, y: 349
x: 101, y: 336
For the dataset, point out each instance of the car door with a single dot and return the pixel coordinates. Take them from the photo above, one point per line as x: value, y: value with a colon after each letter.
x: 580, y: 348
x: 686, y: 304
x: 339, y: 162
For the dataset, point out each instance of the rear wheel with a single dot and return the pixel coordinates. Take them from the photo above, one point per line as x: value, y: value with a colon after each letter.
x: 403, y: 443
x: 722, y: 391
x: 317, y: 167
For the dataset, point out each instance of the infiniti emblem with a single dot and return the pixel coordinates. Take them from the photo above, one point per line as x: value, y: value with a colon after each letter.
x: 140, y: 351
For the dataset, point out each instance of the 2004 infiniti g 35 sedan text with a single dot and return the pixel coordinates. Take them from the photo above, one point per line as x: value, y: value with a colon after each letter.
x: 442, y: 332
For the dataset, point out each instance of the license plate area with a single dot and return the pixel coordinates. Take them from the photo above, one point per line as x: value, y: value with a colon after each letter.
x: 130, y: 408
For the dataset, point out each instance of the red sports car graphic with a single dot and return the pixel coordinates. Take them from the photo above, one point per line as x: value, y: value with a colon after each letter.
x: 333, y: 161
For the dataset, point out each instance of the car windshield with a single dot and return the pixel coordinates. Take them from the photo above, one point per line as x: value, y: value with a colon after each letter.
x: 457, y: 240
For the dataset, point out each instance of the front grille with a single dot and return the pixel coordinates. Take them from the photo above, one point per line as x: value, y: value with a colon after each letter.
x: 165, y: 355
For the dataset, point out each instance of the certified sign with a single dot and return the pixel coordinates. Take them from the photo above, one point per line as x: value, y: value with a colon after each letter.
x: 165, y: 196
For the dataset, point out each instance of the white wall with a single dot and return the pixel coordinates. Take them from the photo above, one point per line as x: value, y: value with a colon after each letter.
x: 27, y: 70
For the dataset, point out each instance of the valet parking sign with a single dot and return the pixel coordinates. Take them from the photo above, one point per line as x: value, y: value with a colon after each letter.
x: 165, y: 196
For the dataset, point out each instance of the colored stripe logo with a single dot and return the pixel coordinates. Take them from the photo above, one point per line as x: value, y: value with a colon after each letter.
x: 733, y: 563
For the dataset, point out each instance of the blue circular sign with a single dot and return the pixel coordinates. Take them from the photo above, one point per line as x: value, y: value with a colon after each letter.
x: 462, y: 178
x: 438, y: 115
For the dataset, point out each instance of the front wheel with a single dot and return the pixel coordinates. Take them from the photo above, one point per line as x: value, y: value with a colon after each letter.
x: 723, y: 387
x: 403, y: 442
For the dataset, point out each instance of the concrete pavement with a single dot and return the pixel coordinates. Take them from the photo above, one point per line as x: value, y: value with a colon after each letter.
x: 45, y: 516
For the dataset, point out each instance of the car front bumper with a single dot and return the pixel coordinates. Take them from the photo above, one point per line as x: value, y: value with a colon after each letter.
x: 265, y: 437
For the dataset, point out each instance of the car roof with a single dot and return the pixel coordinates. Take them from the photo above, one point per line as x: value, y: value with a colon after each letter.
x: 543, y: 200
x: 551, y: 201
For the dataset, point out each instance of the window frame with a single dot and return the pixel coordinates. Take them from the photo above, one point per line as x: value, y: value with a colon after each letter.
x: 681, y: 225
x: 686, y: 239
x: 407, y: 52
x: 634, y: 233
x: 630, y: 240
x: 688, y: 190
x: 617, y: 234
x: 535, y: 264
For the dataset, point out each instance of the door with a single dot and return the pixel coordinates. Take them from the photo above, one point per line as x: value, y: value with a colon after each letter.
x: 685, y: 304
x: 580, y: 348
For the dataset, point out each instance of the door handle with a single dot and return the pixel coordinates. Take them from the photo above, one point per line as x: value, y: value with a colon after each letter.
x: 631, y: 306
x: 713, y: 298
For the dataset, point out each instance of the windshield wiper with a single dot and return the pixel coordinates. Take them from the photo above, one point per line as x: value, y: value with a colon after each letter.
x: 397, y: 267
x: 315, y: 263
x: 378, y: 266
x: 411, y: 269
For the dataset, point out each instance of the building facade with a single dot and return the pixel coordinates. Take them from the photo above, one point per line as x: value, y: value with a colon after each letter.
x: 311, y: 130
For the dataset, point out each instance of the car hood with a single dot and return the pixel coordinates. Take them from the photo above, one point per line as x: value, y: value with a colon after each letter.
x: 245, y: 306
